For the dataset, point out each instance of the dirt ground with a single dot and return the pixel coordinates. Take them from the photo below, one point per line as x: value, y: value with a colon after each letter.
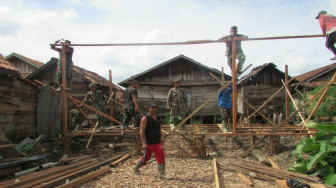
x: 183, y: 170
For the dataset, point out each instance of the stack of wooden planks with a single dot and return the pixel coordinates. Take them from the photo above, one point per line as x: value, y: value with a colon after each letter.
x: 74, y: 171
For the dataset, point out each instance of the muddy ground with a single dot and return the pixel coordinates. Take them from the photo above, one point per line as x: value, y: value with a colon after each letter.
x: 183, y: 170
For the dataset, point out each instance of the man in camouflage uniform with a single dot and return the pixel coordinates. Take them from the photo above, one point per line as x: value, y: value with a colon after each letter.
x: 98, y: 100
x: 131, y: 107
x: 225, y: 105
x: 177, y: 103
x: 239, y: 52
x: 77, y: 118
x: 68, y: 53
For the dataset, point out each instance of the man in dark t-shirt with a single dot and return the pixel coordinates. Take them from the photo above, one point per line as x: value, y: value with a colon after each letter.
x: 150, y: 134
x: 131, y: 107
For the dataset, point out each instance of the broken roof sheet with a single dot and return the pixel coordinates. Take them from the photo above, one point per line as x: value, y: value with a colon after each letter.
x: 32, y: 62
x: 311, y: 75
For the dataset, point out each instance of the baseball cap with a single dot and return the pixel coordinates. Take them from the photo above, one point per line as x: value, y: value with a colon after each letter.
x: 321, y: 13
x: 152, y: 104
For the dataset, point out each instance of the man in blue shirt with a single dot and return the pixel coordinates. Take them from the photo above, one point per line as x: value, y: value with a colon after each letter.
x: 225, y: 105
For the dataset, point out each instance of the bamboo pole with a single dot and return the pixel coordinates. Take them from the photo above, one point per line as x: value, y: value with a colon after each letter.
x: 234, y: 88
x: 111, y: 94
x: 293, y: 114
x: 195, y: 41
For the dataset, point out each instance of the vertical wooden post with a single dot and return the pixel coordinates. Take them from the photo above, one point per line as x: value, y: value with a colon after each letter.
x: 111, y: 102
x: 234, y: 88
x: 287, y: 96
x: 223, y: 74
x: 64, y: 98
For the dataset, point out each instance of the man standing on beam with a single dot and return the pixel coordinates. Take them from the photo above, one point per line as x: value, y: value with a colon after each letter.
x: 239, y: 52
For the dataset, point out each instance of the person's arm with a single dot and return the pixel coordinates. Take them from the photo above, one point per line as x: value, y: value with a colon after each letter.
x: 67, y: 49
x: 135, y: 101
x: 323, y: 25
x: 86, y: 98
x: 54, y: 47
x: 169, y: 100
x: 143, y: 124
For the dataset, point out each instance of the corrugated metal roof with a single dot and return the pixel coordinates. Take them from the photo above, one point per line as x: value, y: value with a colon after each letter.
x: 309, y: 76
x: 32, y: 62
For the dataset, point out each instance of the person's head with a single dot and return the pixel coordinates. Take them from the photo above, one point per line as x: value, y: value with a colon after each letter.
x: 234, y: 30
x: 152, y: 107
x: 93, y: 86
x: 67, y: 42
x: 135, y: 84
x: 321, y: 13
x: 176, y: 83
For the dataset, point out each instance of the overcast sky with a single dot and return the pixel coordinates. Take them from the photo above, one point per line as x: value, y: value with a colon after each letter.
x: 28, y: 27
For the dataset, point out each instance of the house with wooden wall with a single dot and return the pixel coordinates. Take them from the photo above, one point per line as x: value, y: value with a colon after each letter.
x: 23, y: 64
x: 195, y: 79
x: 318, y: 77
x: 81, y: 79
x: 18, y: 100
x: 258, y: 86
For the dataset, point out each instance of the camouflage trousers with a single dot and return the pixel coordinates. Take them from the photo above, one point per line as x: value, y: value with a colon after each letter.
x: 128, y: 114
x: 178, y: 114
x: 240, y: 57
x: 225, y: 114
x: 68, y: 74
x: 100, y: 119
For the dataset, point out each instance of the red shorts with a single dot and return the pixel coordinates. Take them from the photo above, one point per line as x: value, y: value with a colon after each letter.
x: 158, y: 151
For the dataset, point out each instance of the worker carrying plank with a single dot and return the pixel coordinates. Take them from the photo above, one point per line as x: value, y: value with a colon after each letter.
x: 150, y: 134
x: 239, y: 52
x: 328, y: 26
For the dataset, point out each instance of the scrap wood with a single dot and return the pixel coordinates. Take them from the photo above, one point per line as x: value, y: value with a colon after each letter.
x: 216, y: 173
x: 293, y: 114
x: 88, y: 143
x: 41, y: 174
x: 273, y: 164
x: 20, y: 160
x: 245, y: 179
x: 282, y: 183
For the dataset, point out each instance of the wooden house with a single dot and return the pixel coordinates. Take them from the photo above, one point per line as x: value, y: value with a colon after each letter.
x: 23, y: 64
x: 18, y: 100
x: 258, y: 86
x: 81, y: 79
x: 318, y: 77
x: 195, y: 79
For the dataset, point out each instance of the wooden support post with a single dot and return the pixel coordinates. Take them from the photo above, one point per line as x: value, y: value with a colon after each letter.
x: 234, y: 88
x: 111, y: 91
x: 67, y: 141
x: 199, y: 142
x: 216, y: 173
x: 138, y: 145
x: 275, y: 140
x: 287, y: 97
x: 223, y: 78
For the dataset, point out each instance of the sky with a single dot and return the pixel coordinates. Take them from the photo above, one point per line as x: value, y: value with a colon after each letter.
x: 27, y: 27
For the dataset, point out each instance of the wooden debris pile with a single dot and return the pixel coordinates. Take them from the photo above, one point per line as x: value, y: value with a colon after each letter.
x: 70, y: 172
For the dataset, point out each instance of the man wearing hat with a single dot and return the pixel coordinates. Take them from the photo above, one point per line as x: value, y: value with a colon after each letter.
x: 131, y: 107
x: 98, y: 100
x: 68, y: 61
x: 225, y: 105
x: 328, y: 26
x: 239, y: 52
x: 150, y: 134
x: 177, y: 103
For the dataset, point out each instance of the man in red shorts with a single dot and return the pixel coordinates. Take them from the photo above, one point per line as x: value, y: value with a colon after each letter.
x: 150, y: 134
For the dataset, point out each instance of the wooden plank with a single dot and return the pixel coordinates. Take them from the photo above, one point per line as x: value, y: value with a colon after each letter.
x: 245, y: 179
x: 273, y: 164
x: 282, y: 183
x: 86, y: 177
x: 216, y: 173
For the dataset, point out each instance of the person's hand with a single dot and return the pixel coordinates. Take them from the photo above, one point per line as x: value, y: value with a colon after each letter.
x: 137, y: 108
x: 57, y: 41
x: 144, y: 146
x: 169, y: 107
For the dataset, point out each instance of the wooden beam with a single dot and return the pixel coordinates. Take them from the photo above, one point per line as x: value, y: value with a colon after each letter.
x: 287, y: 97
x: 245, y: 179
x: 64, y: 99
x: 111, y: 95
x: 234, y: 88
x: 216, y: 173
x: 273, y: 164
